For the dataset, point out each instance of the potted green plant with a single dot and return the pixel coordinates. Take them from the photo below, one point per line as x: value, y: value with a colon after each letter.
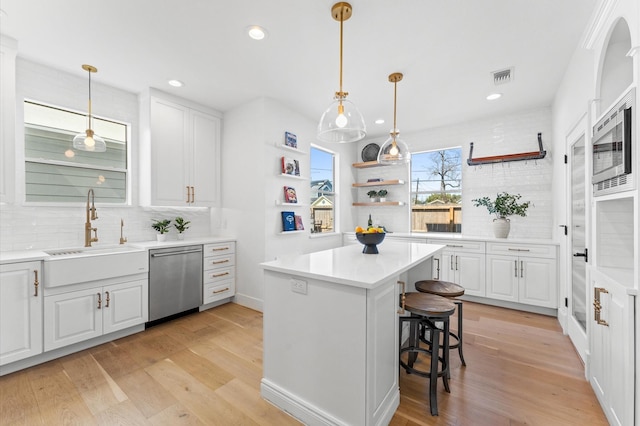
x: 382, y: 195
x: 373, y: 195
x: 503, y: 206
x: 181, y: 225
x: 162, y: 226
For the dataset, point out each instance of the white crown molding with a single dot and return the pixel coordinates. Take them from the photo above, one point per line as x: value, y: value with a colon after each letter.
x: 597, y: 22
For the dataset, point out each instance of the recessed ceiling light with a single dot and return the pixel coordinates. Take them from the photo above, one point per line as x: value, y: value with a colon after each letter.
x: 256, y: 32
x: 175, y: 83
x: 494, y: 96
x: 379, y: 121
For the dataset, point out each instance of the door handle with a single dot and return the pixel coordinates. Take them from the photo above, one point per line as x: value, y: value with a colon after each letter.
x: 585, y: 254
x: 36, y: 283
x: 435, y: 259
x: 597, y: 305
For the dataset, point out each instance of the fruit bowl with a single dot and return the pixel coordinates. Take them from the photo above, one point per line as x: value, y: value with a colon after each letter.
x: 370, y: 241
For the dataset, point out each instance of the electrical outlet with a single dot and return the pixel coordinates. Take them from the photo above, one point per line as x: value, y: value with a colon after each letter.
x: 299, y: 286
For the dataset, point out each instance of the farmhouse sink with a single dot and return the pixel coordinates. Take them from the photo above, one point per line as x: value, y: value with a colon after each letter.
x: 78, y: 265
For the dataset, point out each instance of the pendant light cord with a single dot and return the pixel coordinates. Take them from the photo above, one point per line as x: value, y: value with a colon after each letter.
x: 341, y: 24
x: 90, y: 99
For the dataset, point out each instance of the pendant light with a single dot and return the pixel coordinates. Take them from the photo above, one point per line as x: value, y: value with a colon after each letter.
x: 89, y: 141
x: 342, y: 121
x: 394, y: 150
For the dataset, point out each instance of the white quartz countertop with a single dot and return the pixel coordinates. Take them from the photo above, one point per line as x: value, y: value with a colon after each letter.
x: 460, y: 237
x: 349, y: 266
x: 41, y: 254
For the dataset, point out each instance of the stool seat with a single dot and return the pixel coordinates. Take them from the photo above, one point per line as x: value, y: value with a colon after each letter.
x: 429, y: 305
x: 441, y: 288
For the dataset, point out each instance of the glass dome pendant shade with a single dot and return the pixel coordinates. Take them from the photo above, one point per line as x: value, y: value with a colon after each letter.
x: 342, y: 122
x: 394, y: 150
x: 89, y: 141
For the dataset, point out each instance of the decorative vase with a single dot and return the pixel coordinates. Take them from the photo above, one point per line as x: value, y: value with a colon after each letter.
x: 180, y: 236
x: 382, y: 199
x: 501, y: 227
x: 161, y: 237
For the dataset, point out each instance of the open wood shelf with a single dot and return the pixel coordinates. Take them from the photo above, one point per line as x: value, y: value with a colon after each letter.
x: 379, y: 183
x: 368, y: 164
x: 380, y: 203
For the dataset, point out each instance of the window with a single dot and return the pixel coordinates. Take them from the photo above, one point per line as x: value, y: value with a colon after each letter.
x: 322, y: 191
x: 56, y: 173
x: 436, y: 191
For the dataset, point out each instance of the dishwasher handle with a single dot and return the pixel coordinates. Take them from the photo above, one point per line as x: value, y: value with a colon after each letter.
x: 175, y: 253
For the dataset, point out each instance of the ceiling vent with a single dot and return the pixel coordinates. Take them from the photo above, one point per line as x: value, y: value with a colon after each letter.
x: 502, y: 76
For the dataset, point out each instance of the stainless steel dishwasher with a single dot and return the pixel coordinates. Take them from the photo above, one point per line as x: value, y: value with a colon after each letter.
x: 175, y: 280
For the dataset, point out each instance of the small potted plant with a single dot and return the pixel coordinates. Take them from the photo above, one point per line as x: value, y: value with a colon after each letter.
x: 503, y: 206
x: 162, y: 226
x: 373, y: 195
x: 382, y: 195
x: 181, y: 225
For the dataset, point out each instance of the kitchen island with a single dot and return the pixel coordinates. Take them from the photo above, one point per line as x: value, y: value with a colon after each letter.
x: 331, y: 332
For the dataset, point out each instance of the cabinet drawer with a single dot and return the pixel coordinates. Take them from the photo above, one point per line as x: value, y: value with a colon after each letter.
x: 217, y: 262
x: 218, y: 275
x: 216, y: 249
x: 217, y: 291
x: 462, y: 246
x: 522, y: 249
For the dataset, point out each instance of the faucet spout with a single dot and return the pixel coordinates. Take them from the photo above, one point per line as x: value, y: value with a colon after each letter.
x: 92, y: 214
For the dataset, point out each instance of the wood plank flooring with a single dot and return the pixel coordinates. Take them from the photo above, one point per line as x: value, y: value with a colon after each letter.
x: 205, y: 369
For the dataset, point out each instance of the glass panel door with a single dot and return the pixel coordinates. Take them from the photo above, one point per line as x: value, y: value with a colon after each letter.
x: 578, y: 236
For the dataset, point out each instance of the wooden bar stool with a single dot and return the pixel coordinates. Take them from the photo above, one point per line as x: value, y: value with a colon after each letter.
x: 427, y: 310
x: 449, y: 290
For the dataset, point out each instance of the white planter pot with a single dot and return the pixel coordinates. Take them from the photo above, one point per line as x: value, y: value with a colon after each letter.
x: 383, y: 199
x: 374, y: 199
x: 181, y: 236
x: 161, y: 237
x: 501, y: 227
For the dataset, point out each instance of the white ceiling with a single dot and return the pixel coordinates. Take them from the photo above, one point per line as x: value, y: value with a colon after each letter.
x: 447, y: 51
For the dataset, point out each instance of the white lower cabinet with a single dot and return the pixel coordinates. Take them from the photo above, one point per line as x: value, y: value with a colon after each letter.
x: 20, y: 311
x: 522, y: 273
x: 81, y: 315
x: 463, y: 263
x: 219, y: 272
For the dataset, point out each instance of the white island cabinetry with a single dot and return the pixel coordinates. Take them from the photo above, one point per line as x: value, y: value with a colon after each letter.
x: 20, y: 311
x: 331, y: 332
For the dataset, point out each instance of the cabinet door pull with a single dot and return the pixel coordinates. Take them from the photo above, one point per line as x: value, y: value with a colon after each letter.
x: 437, y: 260
x: 515, y: 268
x: 217, y: 262
x: 193, y: 194
x: 219, y: 275
x: 403, y: 297
x: 597, y: 305
x: 521, y: 268
x: 108, y: 299
x: 221, y: 291
x: 36, y: 283
x: 99, y: 301
x: 451, y: 263
x: 188, y: 196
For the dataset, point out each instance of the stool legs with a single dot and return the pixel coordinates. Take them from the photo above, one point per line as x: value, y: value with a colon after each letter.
x: 460, y: 334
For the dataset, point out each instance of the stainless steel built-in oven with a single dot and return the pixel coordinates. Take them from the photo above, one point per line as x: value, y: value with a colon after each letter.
x: 612, y: 148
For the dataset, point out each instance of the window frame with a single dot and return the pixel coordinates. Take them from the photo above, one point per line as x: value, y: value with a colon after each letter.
x: 127, y: 171
x: 334, y: 193
x: 457, y: 190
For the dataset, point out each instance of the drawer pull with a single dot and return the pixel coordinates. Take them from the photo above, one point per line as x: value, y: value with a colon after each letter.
x: 221, y: 290
x: 455, y: 245
x: 220, y: 248
x: 219, y: 275
x: 515, y: 249
x: 217, y: 262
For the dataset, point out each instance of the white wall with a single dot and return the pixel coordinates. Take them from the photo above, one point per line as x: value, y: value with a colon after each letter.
x: 44, y: 227
x: 251, y: 184
x: 509, y: 134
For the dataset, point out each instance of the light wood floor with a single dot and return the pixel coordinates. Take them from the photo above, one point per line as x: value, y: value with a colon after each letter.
x: 205, y: 369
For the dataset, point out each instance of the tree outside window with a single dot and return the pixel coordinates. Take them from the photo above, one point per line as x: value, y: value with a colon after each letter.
x: 436, y: 191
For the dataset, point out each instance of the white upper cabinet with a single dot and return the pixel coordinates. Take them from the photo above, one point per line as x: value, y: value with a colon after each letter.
x: 8, y: 49
x: 180, y: 153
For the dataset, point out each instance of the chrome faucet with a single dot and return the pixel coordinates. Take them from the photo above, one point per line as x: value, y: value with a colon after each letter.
x: 92, y: 214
